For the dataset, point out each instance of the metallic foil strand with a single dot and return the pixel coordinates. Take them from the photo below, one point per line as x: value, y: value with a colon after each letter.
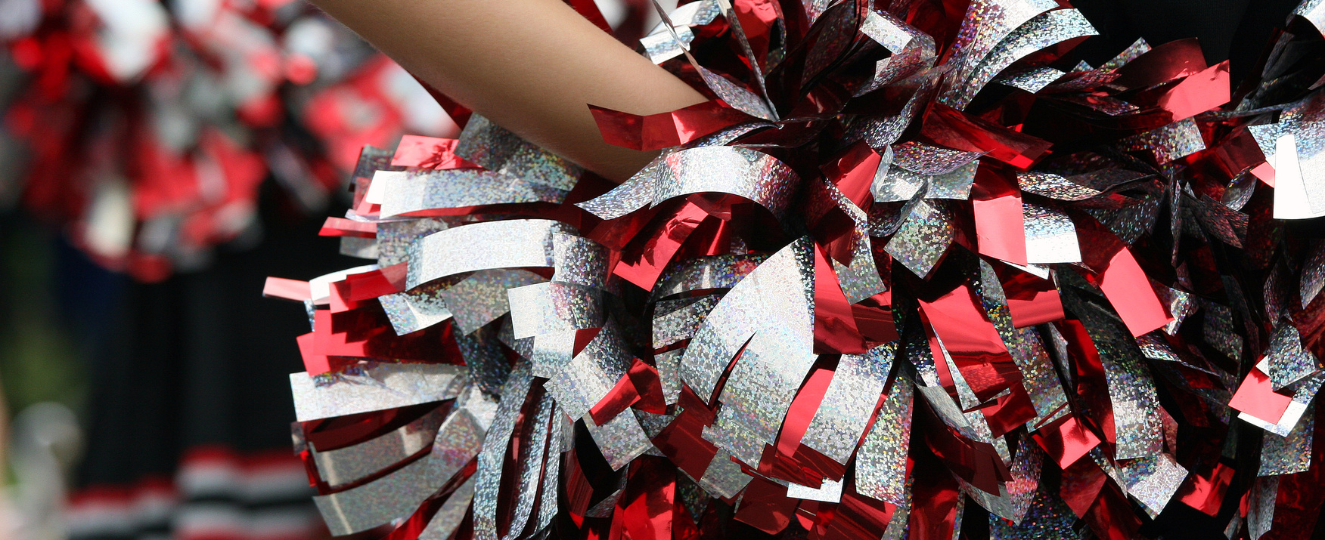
x: 373, y: 388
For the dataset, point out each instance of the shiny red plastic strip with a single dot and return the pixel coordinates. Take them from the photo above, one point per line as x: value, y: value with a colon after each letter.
x: 664, y: 130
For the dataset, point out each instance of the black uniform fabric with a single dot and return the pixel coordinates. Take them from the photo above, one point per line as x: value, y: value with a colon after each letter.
x: 193, y: 373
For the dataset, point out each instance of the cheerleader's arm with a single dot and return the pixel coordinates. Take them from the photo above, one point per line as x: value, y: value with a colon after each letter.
x: 531, y: 66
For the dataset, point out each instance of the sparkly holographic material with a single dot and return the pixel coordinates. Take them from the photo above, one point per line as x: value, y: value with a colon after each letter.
x: 1050, y: 235
x: 590, y: 375
x: 509, y: 244
x: 863, y: 279
x: 406, y: 193
x: 378, y: 502
x: 922, y: 240
x: 496, y: 149
x: 345, y: 465
x: 621, y: 439
x: 488, y: 475
x: 373, y: 388
x: 881, y: 459
x: 846, y: 407
x: 1291, y: 454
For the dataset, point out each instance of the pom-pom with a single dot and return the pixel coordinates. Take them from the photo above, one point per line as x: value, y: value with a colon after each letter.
x: 905, y: 275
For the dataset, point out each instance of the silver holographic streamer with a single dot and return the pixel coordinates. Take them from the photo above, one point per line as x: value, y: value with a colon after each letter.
x: 393, y: 496
x: 487, y: 477
x: 881, y: 459
x: 848, y: 403
x: 345, y: 465
x: 376, y: 387
x: 523, y: 243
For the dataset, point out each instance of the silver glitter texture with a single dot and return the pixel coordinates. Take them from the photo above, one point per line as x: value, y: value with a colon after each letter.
x: 418, y: 191
x: 682, y: 323
x: 848, y: 403
x: 531, y: 460
x: 1047, y: 518
x: 524, y: 243
x: 1040, y: 32
x: 1054, y: 186
x: 1031, y: 80
x: 924, y: 159
x: 775, y: 298
x: 669, y: 374
x: 377, y: 387
x: 620, y: 440
x: 772, y: 367
x: 1155, y: 347
x: 631, y: 195
x: 345, y: 465
x: 1132, y: 52
x: 1291, y: 454
x: 547, y: 507
x: 416, y: 309
x: 447, y: 519
x: 881, y: 459
x: 829, y: 492
x: 548, y: 353
x: 543, y: 308
x: 481, y: 298
x: 1131, y: 391
x: 1152, y: 481
x: 458, y: 441
x: 1169, y: 142
x: 705, y: 273
x: 1260, y: 506
x: 923, y: 240
x: 1027, y: 350
x: 1306, y: 120
x: 748, y: 173
x: 380, y: 501
x: 860, y: 279
x: 723, y: 478
x: 986, y: 24
x: 1313, y: 273
x: 1289, y: 362
x: 494, y: 148
x: 1050, y: 235
x: 579, y: 261
x: 395, y: 237
x: 591, y: 374
x: 487, y: 477
x: 887, y: 30
x: 1014, y: 496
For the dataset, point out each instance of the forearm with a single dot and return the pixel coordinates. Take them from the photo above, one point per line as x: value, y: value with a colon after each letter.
x: 531, y: 66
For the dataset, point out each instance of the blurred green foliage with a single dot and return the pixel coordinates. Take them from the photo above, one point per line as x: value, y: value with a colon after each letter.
x: 38, y: 358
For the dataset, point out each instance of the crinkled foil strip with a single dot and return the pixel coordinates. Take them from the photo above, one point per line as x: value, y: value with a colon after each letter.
x: 379, y: 387
x: 345, y: 465
x: 522, y: 243
x: 494, y: 148
x: 881, y: 459
x: 549, y: 307
x: 487, y: 477
x: 774, y: 298
x: 849, y: 401
x: 747, y: 173
x: 620, y: 440
x: 591, y: 374
x: 447, y: 519
x: 380, y: 501
x: 419, y: 191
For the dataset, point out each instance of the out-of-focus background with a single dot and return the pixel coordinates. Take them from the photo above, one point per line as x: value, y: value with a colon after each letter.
x: 159, y: 159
